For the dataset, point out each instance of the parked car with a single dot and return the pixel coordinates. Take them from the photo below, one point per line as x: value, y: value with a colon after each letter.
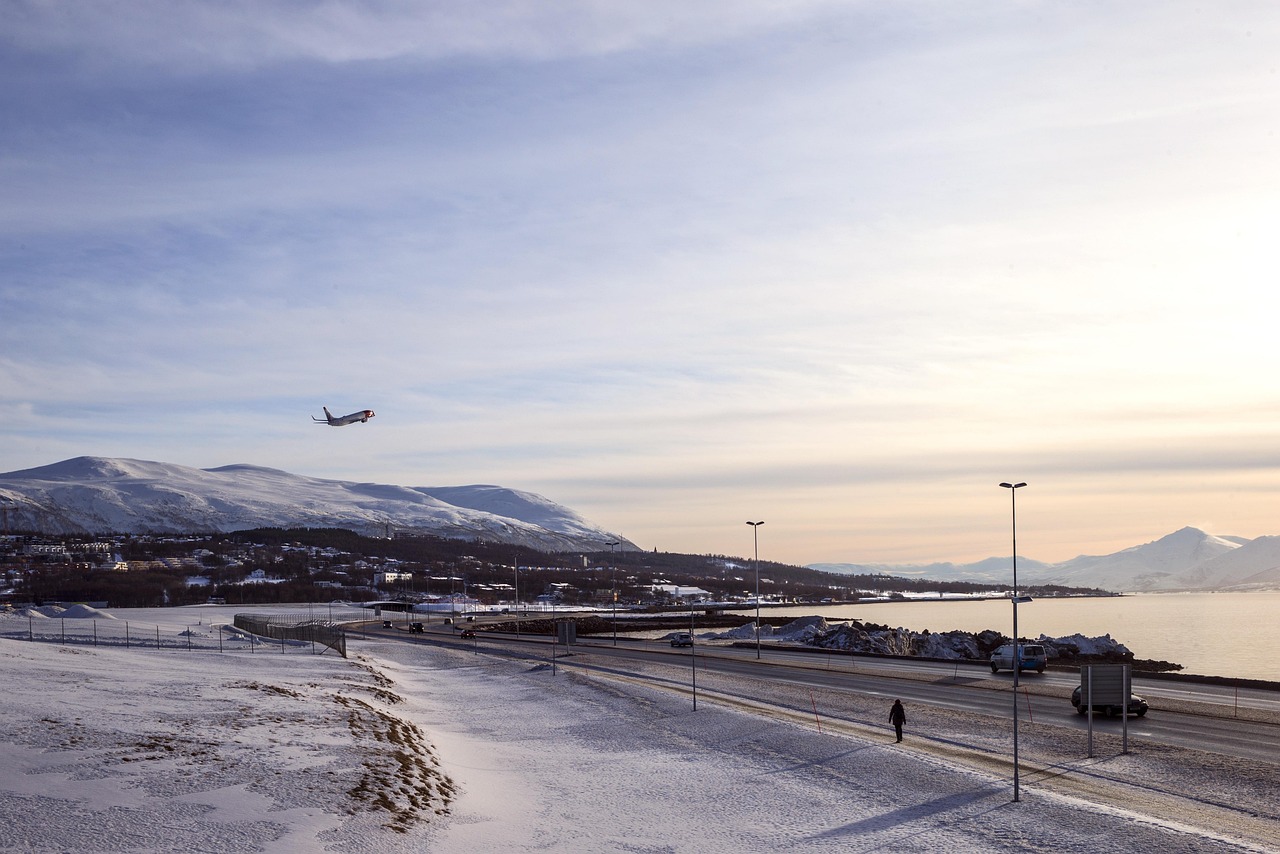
x: 682, y: 639
x: 415, y: 627
x: 468, y: 633
x: 1032, y: 656
x: 1137, y: 706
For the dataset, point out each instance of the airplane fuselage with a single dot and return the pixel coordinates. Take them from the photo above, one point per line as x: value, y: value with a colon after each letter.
x: 361, y: 417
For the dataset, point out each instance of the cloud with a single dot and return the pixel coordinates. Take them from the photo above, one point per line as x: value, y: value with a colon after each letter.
x: 835, y: 262
x: 193, y: 34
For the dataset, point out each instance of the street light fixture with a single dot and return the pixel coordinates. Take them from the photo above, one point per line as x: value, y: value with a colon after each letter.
x: 613, y: 572
x: 1017, y: 649
x: 755, y: 538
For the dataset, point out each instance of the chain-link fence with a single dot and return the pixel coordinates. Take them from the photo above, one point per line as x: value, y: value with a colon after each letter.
x: 246, y: 633
x: 288, y: 628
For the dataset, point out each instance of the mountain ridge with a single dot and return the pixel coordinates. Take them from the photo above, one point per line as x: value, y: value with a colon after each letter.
x: 90, y: 494
x: 1187, y: 559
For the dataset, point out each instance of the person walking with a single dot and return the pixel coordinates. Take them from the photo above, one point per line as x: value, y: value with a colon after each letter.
x: 897, y: 717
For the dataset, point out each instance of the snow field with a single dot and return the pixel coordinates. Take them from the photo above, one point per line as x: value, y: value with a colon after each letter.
x: 412, y: 747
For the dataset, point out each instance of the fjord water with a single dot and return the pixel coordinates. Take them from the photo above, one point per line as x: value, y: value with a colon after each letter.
x: 1213, y: 634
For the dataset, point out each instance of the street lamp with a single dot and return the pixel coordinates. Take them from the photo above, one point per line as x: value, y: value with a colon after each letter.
x: 1017, y: 651
x: 516, y: 615
x: 755, y: 538
x: 613, y: 573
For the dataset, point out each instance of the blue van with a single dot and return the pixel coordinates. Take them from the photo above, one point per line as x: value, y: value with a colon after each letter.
x: 1032, y: 657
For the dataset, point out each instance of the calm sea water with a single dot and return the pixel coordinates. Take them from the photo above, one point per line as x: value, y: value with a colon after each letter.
x: 1213, y: 634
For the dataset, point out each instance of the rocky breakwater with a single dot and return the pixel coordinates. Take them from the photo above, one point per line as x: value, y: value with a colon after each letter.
x: 873, y: 639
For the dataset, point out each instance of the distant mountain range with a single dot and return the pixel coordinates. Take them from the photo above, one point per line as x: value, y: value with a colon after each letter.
x: 93, y: 495
x: 1188, y: 559
x: 104, y: 495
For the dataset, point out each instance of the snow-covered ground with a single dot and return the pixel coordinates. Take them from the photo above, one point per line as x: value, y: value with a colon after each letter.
x: 409, y: 747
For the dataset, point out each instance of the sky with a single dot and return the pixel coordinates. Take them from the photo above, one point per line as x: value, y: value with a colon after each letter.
x: 840, y: 267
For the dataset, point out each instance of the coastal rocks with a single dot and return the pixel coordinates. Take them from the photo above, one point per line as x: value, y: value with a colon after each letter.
x: 867, y: 638
x: 871, y: 639
x: 743, y: 632
x: 1068, y: 650
x: 948, y: 645
x: 802, y: 630
x: 1075, y: 650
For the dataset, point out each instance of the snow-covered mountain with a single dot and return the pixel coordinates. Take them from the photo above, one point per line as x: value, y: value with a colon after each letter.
x: 101, y: 495
x: 1188, y: 559
x: 992, y: 570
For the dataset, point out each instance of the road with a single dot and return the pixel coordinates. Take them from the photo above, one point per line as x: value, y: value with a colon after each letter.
x: 1187, y: 715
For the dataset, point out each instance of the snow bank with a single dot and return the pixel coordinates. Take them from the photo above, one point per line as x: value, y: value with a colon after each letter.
x: 409, y: 747
x: 86, y: 612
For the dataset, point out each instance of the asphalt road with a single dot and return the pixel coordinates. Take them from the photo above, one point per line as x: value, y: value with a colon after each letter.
x: 1188, y: 715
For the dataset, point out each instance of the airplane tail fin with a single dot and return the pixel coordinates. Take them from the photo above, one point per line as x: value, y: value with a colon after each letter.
x: 328, y: 418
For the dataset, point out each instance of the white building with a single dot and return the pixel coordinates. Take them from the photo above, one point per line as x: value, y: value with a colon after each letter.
x: 391, y: 577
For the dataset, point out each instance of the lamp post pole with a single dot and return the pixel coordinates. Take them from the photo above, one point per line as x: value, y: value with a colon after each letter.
x: 693, y: 656
x: 516, y: 615
x: 755, y: 539
x: 613, y: 571
x: 1017, y: 650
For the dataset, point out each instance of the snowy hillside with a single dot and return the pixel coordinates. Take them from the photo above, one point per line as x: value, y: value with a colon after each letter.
x: 1188, y: 559
x: 1256, y: 562
x: 1165, y: 564
x: 100, y: 495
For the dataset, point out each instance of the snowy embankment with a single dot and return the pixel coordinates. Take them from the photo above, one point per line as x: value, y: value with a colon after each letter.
x: 410, y: 747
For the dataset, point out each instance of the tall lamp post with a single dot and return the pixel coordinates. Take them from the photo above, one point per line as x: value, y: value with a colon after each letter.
x: 1017, y: 651
x: 516, y: 615
x: 613, y: 570
x: 755, y: 539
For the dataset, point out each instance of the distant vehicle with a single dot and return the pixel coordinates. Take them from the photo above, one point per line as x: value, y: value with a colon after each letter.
x: 682, y: 639
x: 415, y: 627
x: 1137, y: 706
x: 386, y: 624
x: 1032, y: 657
x: 362, y: 416
x: 467, y: 634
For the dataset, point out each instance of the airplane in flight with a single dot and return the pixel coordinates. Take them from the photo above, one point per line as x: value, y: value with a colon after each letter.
x: 361, y: 417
